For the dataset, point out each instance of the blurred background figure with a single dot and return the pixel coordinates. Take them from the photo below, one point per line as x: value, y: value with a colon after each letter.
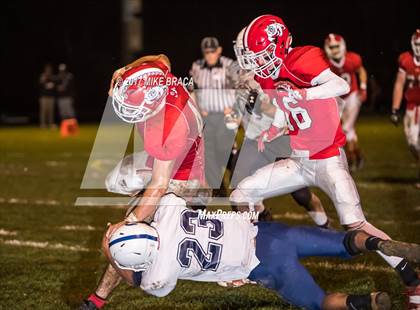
x: 214, y: 78
x: 46, y: 97
x: 65, y: 101
x: 407, y: 84
x: 65, y: 92
x: 349, y: 66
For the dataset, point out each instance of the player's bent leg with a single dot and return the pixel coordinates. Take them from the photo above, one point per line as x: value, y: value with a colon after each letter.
x: 279, y: 178
x: 307, y: 199
x: 280, y: 270
x: 333, y: 177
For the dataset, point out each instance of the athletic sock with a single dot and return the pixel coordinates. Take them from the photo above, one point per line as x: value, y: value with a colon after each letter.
x: 372, y: 243
x: 407, y: 273
x: 319, y: 218
x: 359, y: 302
x: 98, y: 301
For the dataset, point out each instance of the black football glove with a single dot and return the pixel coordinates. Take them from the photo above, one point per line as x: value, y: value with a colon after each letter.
x: 395, y: 117
x: 252, y: 98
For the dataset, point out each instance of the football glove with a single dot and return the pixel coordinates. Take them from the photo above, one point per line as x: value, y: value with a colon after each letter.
x: 268, y: 136
x: 250, y: 103
x: 395, y: 117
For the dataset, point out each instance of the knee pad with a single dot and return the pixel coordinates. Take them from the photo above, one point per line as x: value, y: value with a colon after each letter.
x: 303, y: 197
x: 349, y: 243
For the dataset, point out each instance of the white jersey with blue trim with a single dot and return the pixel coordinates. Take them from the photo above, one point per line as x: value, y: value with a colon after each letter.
x: 197, y: 248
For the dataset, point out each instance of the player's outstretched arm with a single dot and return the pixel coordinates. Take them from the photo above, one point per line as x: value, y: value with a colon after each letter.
x: 397, y: 95
x: 127, y: 275
x: 363, y: 79
x: 327, y: 85
x: 161, y: 175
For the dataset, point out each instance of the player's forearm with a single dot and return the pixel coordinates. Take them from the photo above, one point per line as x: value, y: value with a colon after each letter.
x: 363, y: 78
x: 149, y: 201
x: 398, y: 91
x: 127, y: 275
x: 397, y: 97
x: 329, y: 84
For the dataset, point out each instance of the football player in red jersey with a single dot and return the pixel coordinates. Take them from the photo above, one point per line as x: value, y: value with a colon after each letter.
x: 146, y: 94
x: 348, y: 65
x: 408, y: 77
x: 300, y: 82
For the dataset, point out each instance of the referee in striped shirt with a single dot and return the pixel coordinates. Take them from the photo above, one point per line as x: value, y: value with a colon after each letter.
x: 215, y: 77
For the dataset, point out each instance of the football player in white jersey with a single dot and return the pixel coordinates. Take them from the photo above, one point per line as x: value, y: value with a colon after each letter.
x: 184, y: 244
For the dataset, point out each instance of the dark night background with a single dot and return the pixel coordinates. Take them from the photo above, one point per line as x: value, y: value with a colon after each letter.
x: 87, y: 35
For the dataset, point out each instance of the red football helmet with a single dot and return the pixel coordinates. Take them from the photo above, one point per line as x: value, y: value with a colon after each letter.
x: 266, y: 42
x: 415, y: 42
x: 140, y: 94
x: 335, y: 46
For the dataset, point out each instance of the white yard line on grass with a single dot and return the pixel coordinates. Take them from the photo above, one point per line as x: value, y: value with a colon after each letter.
x: 22, y: 201
x: 4, y: 232
x: 44, y: 245
x: 349, y: 267
x: 77, y: 228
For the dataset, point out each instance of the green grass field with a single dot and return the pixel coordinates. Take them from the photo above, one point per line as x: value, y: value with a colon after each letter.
x: 49, y: 249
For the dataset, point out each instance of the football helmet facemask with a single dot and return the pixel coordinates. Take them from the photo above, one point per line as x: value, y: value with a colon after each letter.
x: 335, y: 46
x: 415, y: 43
x: 139, y: 94
x: 266, y: 42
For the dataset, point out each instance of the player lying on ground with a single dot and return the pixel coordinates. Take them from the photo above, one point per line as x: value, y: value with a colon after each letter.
x: 145, y: 93
x: 255, y: 112
x: 408, y: 78
x: 301, y: 83
x: 179, y: 244
x: 348, y: 65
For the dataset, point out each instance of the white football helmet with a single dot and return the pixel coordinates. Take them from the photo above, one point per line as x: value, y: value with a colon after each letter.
x: 130, y: 176
x: 140, y: 94
x: 415, y: 43
x: 240, y: 51
x: 134, y: 246
x: 335, y: 46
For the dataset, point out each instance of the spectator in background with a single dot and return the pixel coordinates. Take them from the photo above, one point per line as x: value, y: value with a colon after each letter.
x: 65, y: 92
x: 46, y: 97
x: 214, y: 79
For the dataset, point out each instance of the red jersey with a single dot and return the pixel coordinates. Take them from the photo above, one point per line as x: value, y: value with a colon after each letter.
x: 314, y: 125
x: 407, y: 64
x: 347, y: 69
x: 175, y: 133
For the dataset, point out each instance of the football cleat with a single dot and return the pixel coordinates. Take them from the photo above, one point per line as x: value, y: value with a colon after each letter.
x: 88, y: 305
x: 413, y: 298
x: 380, y: 301
x: 409, y: 251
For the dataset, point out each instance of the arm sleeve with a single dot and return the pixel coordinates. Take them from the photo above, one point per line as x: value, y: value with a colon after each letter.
x: 329, y: 85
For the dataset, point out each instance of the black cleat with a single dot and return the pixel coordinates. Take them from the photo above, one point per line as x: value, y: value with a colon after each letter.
x: 88, y: 305
x: 409, y: 251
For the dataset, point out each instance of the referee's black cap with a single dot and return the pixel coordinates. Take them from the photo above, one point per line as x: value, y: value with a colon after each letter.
x: 209, y: 43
